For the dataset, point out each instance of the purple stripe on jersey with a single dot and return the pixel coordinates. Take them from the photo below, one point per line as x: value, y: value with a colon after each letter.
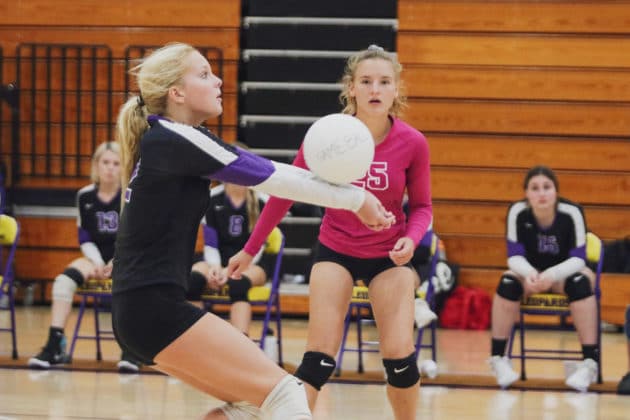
x: 84, y: 236
x: 210, y: 236
x: 249, y: 169
x: 579, y: 252
x: 515, y: 248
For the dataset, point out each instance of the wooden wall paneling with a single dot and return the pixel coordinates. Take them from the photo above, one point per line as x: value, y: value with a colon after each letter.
x: 476, y: 250
x: 520, y: 117
x: 49, y: 232
x: 496, y: 151
x: 43, y: 264
x: 506, y: 185
x: 159, y: 13
x: 591, y: 16
x: 596, y: 51
x: 512, y: 82
x: 118, y: 38
x: 485, y: 218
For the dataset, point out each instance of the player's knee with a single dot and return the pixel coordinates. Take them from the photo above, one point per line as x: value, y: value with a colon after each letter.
x: 402, y: 373
x: 196, y: 284
x: 66, y: 284
x: 510, y: 288
x: 577, y: 287
x: 238, y: 289
x: 316, y: 368
x: 287, y: 400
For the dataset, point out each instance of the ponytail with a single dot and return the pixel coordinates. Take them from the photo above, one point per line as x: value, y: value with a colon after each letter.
x: 130, y: 126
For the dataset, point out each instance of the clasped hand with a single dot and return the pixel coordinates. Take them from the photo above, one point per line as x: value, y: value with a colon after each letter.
x: 537, y: 283
x: 374, y: 215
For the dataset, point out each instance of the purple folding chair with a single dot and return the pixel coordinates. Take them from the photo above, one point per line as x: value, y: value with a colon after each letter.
x: 558, y: 304
x: 9, y: 234
x: 99, y: 292
x: 267, y: 296
x: 360, y: 310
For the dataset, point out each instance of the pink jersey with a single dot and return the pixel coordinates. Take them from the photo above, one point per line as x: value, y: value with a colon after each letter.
x: 401, y: 162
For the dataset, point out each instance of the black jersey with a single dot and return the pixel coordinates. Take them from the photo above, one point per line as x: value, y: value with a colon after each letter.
x: 167, y: 197
x: 97, y: 221
x: 544, y: 248
x: 225, y: 226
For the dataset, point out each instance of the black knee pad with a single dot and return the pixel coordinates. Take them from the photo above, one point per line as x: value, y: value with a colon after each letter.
x: 577, y: 287
x: 316, y: 368
x: 510, y: 288
x: 402, y: 373
x: 238, y: 289
x: 196, y: 284
x: 75, y: 275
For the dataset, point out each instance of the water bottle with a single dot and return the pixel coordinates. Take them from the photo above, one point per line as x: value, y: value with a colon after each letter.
x: 271, y: 346
x: 28, y: 295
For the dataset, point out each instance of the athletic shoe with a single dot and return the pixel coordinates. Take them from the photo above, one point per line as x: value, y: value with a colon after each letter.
x: 502, y: 370
x: 584, y: 375
x: 624, y: 385
x: 422, y: 313
x: 428, y: 368
x: 128, y: 364
x: 50, y: 355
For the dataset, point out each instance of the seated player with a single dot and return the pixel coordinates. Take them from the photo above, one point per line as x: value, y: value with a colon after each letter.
x: 232, y: 213
x: 546, y: 246
x: 98, y: 206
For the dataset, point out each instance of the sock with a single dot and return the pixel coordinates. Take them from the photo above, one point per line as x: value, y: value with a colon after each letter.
x: 498, y: 346
x: 590, y: 351
x: 55, y: 335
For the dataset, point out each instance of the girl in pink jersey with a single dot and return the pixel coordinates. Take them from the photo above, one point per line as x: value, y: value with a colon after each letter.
x: 348, y: 251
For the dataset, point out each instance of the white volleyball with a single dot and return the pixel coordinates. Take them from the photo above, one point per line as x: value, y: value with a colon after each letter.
x: 338, y: 148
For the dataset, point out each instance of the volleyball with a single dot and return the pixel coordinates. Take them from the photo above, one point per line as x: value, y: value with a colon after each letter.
x: 338, y: 148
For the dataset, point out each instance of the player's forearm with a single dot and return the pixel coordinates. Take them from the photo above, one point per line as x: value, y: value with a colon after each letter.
x: 567, y: 267
x: 288, y: 181
x: 91, y: 252
x: 520, y: 265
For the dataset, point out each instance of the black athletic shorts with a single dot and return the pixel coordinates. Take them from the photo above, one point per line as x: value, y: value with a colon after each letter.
x: 148, y: 319
x: 364, y: 269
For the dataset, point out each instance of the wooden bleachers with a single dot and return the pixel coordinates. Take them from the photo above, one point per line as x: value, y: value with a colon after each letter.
x: 498, y: 92
x: 48, y: 244
x: 142, y: 22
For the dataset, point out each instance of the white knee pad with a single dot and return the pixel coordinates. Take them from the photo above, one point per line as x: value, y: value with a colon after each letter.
x: 241, y: 411
x: 287, y: 400
x: 63, y: 288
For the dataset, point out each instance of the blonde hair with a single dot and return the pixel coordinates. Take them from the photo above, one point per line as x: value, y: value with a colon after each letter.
x: 253, y: 208
x: 100, y: 150
x: 159, y: 71
x: 372, y: 52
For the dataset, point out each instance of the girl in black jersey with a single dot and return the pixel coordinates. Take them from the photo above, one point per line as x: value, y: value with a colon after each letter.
x: 229, y: 219
x: 546, y: 244
x: 168, y: 161
x: 98, y: 206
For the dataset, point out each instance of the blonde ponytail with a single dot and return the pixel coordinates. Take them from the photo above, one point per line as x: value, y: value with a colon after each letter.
x: 131, y: 124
